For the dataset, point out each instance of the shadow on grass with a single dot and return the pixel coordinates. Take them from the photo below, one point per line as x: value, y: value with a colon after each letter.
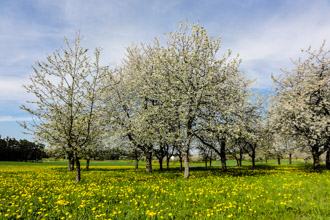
x: 258, y: 170
x: 175, y: 172
x: 65, y: 169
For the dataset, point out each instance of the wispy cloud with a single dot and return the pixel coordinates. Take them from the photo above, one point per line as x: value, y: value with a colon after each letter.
x: 274, y: 41
x: 11, y: 118
x: 11, y: 88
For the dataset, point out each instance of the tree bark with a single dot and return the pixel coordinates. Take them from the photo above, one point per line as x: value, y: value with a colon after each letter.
x: 186, y: 165
x: 327, y: 159
x: 187, y: 147
x: 253, y: 157
x: 240, y: 157
x: 205, y: 160
x: 223, y: 156
x: 168, y: 162
x: 160, y: 163
x: 211, y: 159
x: 148, y: 155
x: 316, y: 159
x: 290, y: 158
x: 78, y: 174
x: 136, y: 163
x: 87, y: 163
x: 71, y: 162
x: 279, y: 160
x: 180, y: 158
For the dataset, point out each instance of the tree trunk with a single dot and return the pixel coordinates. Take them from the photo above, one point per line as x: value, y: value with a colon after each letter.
x: 211, y: 159
x: 160, y: 163
x: 240, y: 157
x: 205, y: 160
x: 327, y: 159
x: 180, y: 158
x: 168, y: 162
x: 290, y: 158
x: 316, y: 159
x: 253, y: 157
x: 186, y: 165
x: 223, y: 164
x: 223, y: 156
x: 78, y: 174
x: 87, y: 163
x: 136, y: 163
x: 279, y: 160
x: 71, y: 162
x: 266, y: 160
x: 148, y: 161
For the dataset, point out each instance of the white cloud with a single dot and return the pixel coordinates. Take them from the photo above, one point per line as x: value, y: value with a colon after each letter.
x: 272, y: 43
x: 11, y: 89
x: 11, y: 118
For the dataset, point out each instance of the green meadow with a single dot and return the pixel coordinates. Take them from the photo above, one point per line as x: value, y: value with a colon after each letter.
x: 115, y: 190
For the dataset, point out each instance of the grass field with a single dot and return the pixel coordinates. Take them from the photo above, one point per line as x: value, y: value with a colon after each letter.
x: 115, y: 190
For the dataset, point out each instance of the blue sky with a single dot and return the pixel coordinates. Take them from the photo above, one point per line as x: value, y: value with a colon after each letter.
x: 266, y: 34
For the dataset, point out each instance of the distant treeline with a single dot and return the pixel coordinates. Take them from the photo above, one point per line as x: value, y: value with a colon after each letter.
x: 20, y: 150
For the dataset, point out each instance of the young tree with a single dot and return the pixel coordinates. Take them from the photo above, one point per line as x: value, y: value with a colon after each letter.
x: 135, y: 154
x: 235, y: 149
x: 301, y: 104
x: 206, y: 153
x: 180, y: 157
x: 253, y: 130
x: 160, y: 152
x: 283, y: 144
x: 66, y: 106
